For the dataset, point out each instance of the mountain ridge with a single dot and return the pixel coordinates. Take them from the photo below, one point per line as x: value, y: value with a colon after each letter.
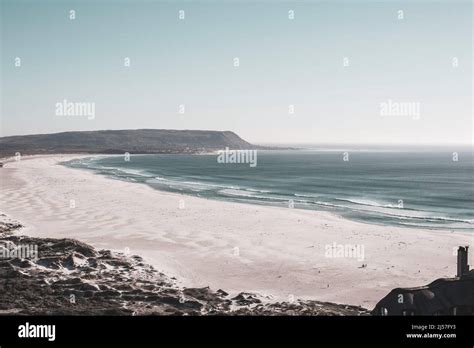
x: 146, y: 141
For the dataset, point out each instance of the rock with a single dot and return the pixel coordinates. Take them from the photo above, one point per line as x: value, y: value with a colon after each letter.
x: 245, y: 299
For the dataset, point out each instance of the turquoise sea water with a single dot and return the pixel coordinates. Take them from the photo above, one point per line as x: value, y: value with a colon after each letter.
x: 425, y: 189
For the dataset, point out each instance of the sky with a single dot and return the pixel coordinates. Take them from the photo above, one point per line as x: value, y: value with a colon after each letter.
x: 323, y: 76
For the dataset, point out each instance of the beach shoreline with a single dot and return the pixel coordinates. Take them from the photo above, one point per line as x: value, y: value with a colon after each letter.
x: 272, y: 251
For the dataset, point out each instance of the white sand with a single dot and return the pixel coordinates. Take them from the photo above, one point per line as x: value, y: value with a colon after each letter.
x: 281, y: 251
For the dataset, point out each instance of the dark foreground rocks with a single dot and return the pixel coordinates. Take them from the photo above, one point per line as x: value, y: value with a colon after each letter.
x: 68, y: 277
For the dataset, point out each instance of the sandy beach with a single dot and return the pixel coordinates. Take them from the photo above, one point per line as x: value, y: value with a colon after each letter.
x: 237, y: 247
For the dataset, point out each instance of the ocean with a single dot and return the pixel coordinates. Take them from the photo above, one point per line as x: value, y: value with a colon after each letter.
x: 424, y: 189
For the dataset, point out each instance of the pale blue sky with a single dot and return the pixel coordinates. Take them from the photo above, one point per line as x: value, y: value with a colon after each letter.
x: 282, y: 62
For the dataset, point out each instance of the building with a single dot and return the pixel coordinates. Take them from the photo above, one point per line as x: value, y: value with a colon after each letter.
x: 445, y: 296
